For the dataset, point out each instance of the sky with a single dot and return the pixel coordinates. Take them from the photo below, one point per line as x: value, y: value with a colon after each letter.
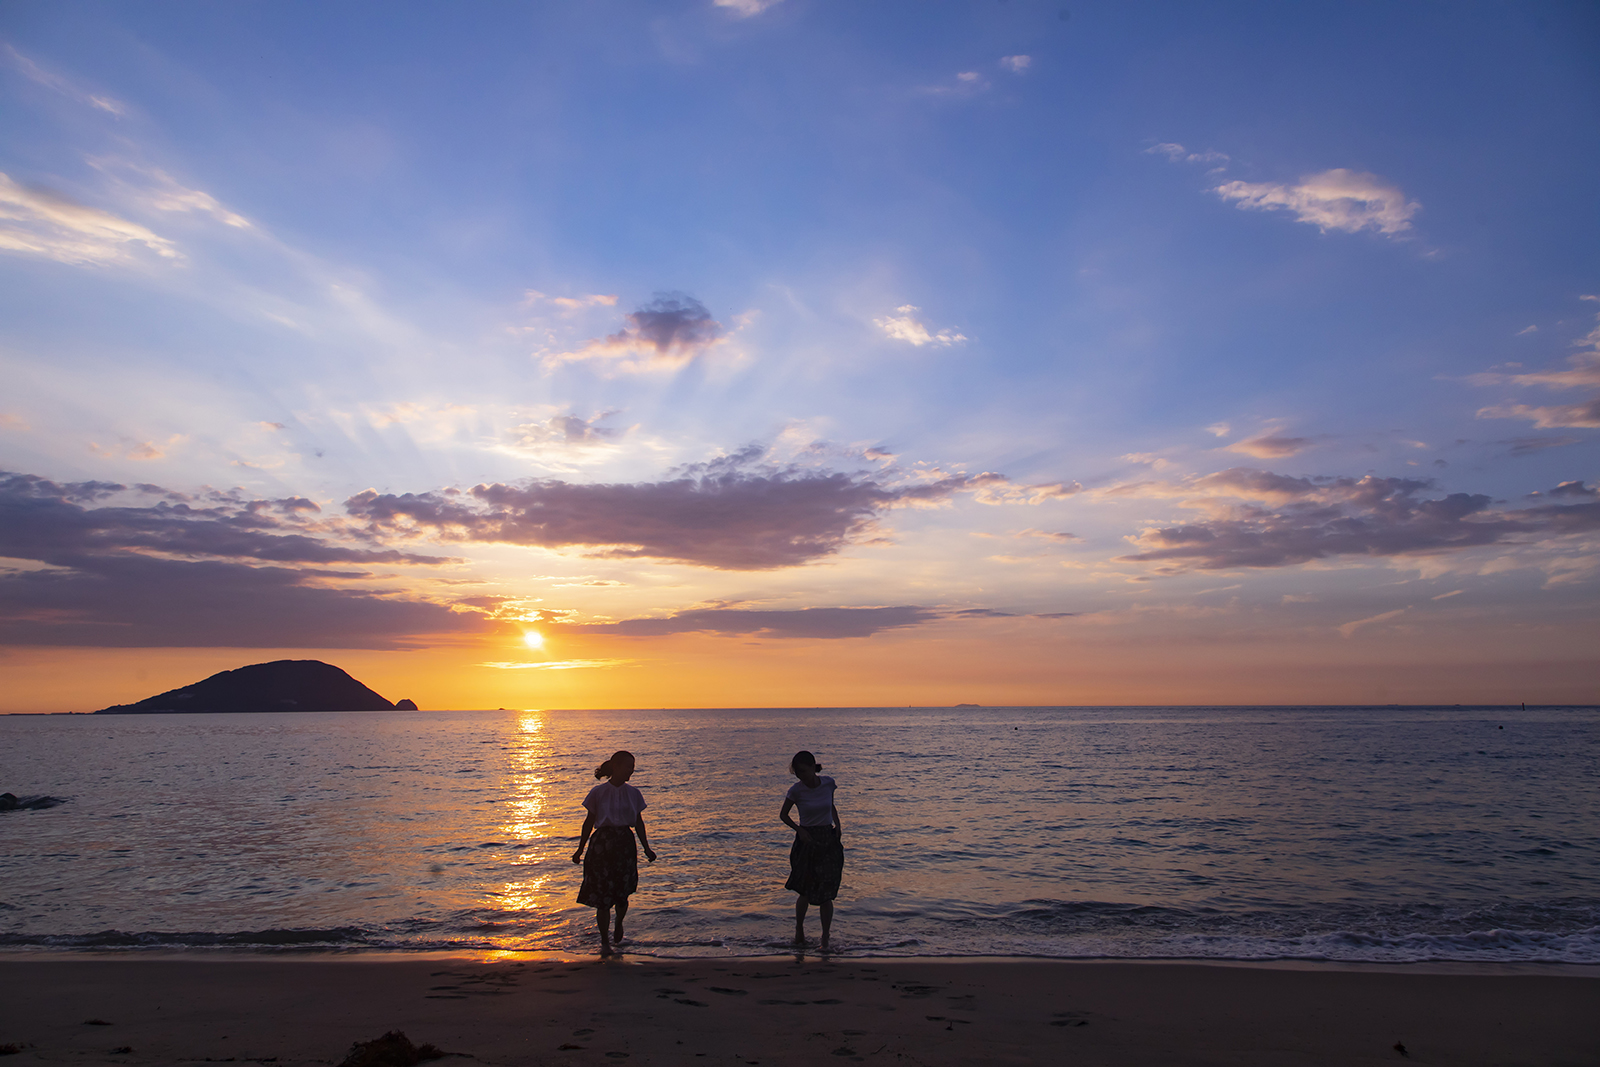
x: 787, y: 353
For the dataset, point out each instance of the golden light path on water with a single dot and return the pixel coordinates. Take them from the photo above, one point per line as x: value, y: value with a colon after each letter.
x: 525, y: 824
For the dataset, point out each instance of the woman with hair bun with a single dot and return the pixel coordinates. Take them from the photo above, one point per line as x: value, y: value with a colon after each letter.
x: 611, y: 869
x: 816, y: 859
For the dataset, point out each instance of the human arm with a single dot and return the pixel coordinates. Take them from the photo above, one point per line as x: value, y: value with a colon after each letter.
x: 783, y: 816
x: 583, y: 837
x: 838, y: 827
x: 644, y: 841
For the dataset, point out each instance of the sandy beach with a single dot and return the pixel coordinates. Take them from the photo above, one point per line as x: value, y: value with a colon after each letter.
x: 772, y: 1012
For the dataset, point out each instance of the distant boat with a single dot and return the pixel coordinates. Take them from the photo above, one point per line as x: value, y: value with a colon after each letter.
x: 969, y: 705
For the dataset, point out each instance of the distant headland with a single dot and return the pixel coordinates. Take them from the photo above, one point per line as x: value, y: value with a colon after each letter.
x: 282, y: 685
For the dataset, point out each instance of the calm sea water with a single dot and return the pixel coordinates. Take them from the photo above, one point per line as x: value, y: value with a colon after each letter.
x: 1237, y: 833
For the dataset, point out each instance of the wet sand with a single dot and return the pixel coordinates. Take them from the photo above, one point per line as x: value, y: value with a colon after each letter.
x: 766, y: 1013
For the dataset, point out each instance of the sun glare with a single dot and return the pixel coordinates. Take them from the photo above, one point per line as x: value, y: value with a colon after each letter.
x: 533, y: 639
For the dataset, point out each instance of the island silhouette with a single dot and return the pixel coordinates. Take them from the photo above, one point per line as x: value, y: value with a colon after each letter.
x: 282, y: 685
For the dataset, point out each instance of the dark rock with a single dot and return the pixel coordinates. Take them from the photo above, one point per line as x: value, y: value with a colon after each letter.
x: 393, y: 1049
x: 283, y: 685
x: 12, y: 802
x: 404, y: 705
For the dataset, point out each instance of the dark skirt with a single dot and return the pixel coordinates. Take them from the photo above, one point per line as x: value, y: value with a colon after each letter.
x: 610, y: 867
x: 815, y: 869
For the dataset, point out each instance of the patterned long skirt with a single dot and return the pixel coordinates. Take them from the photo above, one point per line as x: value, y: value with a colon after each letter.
x: 610, y: 867
x: 815, y: 869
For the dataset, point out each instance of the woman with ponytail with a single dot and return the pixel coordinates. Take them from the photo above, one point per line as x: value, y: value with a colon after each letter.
x: 816, y: 860
x: 611, y: 869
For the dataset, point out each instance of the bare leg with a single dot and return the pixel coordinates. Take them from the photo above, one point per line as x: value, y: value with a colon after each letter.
x: 826, y: 908
x: 622, y: 911
x: 800, y: 920
x: 602, y: 919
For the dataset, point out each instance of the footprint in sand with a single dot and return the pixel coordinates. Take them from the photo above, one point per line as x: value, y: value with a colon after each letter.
x: 1070, y: 1018
x: 693, y: 1003
x: 729, y: 992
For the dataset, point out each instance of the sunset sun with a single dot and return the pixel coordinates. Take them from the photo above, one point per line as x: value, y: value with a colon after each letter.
x: 533, y: 639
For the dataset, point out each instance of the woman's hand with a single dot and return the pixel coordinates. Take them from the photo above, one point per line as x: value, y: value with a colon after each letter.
x: 577, y: 857
x: 805, y: 835
x: 649, y: 854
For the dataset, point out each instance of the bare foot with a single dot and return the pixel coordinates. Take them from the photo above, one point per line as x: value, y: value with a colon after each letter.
x: 617, y: 938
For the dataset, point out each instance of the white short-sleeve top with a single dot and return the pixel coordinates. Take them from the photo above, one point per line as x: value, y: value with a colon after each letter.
x: 816, y: 805
x: 614, y: 805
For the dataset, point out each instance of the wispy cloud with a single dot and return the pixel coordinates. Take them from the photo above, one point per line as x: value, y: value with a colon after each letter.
x: 812, y: 623
x: 1583, y: 371
x: 1179, y: 154
x: 60, y: 84
x: 1344, y: 200
x: 139, y: 450
x: 966, y: 83
x: 746, y: 8
x: 904, y: 327
x: 1016, y: 64
x: 1351, y: 627
x: 1272, y: 444
x: 1585, y: 415
x: 39, y: 221
x: 569, y: 304
x: 561, y: 665
x: 156, y: 190
x: 567, y: 431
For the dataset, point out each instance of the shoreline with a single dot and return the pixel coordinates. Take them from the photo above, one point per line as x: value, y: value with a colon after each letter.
x: 775, y: 1011
x: 1485, y: 968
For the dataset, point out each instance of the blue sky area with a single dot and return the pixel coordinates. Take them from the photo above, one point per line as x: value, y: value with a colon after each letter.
x: 809, y: 343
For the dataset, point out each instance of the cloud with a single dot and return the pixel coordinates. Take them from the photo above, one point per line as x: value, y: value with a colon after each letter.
x: 39, y: 221
x: 158, y: 191
x: 825, y: 623
x: 1016, y: 64
x: 174, y: 575
x: 1576, y: 489
x: 746, y: 8
x: 666, y: 333
x: 568, y: 431
x: 569, y: 304
x: 50, y: 80
x: 140, y: 450
x: 1048, y: 535
x: 561, y: 665
x: 1583, y: 372
x: 1271, y: 445
x: 1351, y: 627
x: 729, y: 514
x: 1219, y: 429
x: 966, y: 83
x: 1527, y: 446
x: 1179, y: 154
x: 1261, y: 519
x: 903, y: 327
x: 1345, y: 200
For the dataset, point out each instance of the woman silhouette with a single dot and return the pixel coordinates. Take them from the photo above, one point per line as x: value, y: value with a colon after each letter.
x: 611, y: 870
x: 816, y: 859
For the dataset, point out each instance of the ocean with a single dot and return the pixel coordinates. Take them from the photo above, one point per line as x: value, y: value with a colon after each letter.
x: 1311, y: 833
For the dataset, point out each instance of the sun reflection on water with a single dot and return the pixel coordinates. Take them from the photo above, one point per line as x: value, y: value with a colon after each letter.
x: 525, y: 828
